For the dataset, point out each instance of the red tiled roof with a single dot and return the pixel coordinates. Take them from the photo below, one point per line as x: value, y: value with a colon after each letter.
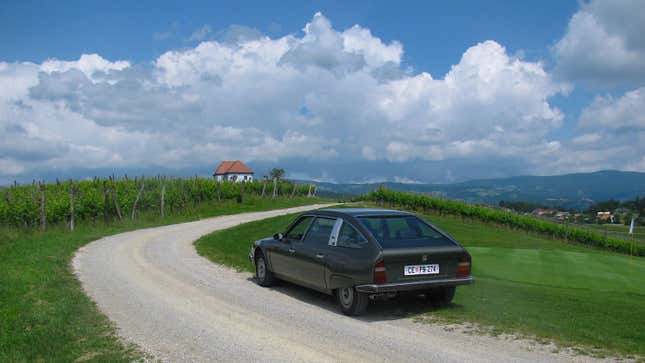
x: 227, y: 167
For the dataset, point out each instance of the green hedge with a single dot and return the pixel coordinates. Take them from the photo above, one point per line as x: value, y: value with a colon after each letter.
x: 509, y: 219
x: 20, y: 205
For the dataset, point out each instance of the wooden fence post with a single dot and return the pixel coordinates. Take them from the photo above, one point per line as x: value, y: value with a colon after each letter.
x: 72, y: 190
x: 313, y: 194
x: 114, y: 199
x: 241, y: 197
x: 275, y: 187
x: 163, y: 196
x: 293, y: 191
x: 264, y: 186
x: 136, y: 201
x: 309, y: 192
x: 116, y: 204
x: 43, y: 211
x: 219, y: 191
x: 105, y: 202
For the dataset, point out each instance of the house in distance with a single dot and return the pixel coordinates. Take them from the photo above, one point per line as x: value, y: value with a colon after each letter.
x: 234, y: 171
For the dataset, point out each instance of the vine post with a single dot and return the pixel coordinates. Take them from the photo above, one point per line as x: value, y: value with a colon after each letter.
x: 264, y: 187
x: 105, y: 202
x: 163, y: 196
x: 43, y: 203
x: 72, y: 191
x: 114, y: 199
x: 136, y: 201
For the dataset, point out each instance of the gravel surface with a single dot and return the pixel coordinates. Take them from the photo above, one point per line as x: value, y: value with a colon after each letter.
x: 179, y: 307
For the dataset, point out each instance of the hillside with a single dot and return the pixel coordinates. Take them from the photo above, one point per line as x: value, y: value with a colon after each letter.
x: 570, y: 190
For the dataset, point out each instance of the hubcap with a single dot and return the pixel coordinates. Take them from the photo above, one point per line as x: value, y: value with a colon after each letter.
x: 346, y: 295
x: 261, y: 269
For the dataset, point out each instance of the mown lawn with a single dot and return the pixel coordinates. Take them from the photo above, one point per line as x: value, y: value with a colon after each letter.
x: 45, y: 316
x: 525, y: 284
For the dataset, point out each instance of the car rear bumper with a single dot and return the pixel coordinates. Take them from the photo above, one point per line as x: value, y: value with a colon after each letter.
x: 415, y: 285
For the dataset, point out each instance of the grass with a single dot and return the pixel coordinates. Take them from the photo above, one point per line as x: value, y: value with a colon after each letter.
x: 45, y: 316
x: 526, y: 285
x: 231, y: 246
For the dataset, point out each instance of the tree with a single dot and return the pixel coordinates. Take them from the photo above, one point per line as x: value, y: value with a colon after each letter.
x: 277, y: 173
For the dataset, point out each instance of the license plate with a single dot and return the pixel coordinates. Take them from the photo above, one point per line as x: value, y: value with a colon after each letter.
x: 410, y: 270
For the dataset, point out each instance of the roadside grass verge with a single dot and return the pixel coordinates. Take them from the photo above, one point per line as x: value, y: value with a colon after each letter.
x: 526, y: 284
x: 44, y: 314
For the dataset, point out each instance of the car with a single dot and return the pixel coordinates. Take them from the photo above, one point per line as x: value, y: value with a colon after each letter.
x: 361, y: 254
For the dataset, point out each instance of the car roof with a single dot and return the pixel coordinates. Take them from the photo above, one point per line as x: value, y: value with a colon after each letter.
x: 360, y: 212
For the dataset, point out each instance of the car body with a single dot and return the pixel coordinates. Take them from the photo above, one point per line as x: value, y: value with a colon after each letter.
x: 360, y: 254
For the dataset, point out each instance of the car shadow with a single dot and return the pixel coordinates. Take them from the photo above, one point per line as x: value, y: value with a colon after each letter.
x: 400, y: 307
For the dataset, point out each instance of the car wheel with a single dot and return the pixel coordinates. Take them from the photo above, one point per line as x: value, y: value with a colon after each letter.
x: 441, y: 296
x: 351, y: 301
x: 263, y: 275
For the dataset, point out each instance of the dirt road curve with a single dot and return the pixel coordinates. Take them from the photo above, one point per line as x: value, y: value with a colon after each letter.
x: 180, y: 307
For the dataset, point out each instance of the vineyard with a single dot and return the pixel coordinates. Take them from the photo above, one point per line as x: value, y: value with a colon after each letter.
x: 69, y: 202
x: 505, y: 218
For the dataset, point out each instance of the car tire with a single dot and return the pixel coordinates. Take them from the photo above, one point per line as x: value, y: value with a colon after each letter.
x: 263, y: 275
x: 351, y: 302
x: 441, y: 296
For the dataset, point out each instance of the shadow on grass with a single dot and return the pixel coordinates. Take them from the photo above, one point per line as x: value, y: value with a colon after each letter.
x: 399, y: 307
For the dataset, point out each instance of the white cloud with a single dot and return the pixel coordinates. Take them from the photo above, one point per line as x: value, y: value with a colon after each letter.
x: 627, y: 111
x: 328, y: 97
x: 604, y: 43
x: 87, y: 63
x: 200, y: 33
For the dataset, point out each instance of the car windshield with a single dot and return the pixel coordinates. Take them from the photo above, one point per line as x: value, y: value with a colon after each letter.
x: 403, y: 231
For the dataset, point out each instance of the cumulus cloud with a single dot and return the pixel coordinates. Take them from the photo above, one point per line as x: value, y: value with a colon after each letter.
x: 612, y: 136
x: 89, y: 64
x: 604, y: 44
x: 326, y: 97
x: 607, y: 112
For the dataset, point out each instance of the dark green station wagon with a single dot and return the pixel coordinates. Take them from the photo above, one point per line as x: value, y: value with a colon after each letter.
x: 363, y: 254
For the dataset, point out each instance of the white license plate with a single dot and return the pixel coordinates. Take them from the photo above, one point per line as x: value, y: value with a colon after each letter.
x: 410, y: 270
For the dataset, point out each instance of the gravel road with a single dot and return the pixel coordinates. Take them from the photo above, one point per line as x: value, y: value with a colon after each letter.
x: 179, y: 307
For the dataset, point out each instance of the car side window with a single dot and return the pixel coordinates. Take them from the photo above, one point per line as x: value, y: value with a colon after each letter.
x: 297, y: 232
x: 320, y: 231
x: 349, y: 237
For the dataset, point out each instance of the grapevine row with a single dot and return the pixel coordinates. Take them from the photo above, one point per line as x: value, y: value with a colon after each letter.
x: 506, y: 218
x: 97, y: 199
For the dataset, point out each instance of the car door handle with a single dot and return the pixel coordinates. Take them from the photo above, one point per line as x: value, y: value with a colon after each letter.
x: 320, y: 255
x: 292, y: 250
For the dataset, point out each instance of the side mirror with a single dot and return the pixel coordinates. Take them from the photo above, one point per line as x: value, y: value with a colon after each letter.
x: 278, y: 236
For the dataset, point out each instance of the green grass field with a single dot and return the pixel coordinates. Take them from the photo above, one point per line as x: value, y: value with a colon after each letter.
x: 525, y: 284
x: 45, y: 316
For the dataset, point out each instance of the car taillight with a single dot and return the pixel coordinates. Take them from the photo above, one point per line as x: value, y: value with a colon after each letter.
x: 463, y: 267
x: 379, y: 273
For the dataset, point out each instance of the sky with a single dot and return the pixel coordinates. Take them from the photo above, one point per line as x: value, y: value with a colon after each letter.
x: 358, y: 91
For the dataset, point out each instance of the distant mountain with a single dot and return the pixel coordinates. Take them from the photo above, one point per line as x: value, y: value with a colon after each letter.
x: 571, y: 190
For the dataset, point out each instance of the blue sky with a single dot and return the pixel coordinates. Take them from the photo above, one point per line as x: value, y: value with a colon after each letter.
x: 411, y: 91
x: 434, y: 34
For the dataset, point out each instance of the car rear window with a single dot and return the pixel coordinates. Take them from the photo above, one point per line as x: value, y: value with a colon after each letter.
x: 403, y: 231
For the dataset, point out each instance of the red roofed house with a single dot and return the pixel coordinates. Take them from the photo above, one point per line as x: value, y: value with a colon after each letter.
x: 233, y: 171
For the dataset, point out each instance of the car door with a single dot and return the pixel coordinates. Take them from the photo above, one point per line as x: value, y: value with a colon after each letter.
x: 309, y: 256
x: 350, y: 257
x: 281, y: 255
